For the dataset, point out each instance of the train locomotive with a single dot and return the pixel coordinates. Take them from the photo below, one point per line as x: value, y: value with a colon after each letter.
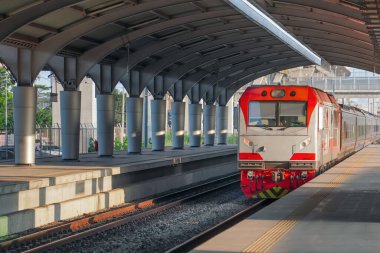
x: 290, y: 134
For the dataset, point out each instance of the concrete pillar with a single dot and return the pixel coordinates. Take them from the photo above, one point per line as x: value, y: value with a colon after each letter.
x: 70, y: 124
x: 221, y: 124
x: 209, y: 125
x: 105, y: 122
x: 178, y: 124
x: 24, y: 117
x: 158, y: 124
x: 134, y: 124
x: 195, y: 120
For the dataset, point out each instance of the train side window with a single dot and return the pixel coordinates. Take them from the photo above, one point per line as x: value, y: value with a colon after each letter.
x: 320, y: 118
x: 345, y: 132
x: 336, y: 119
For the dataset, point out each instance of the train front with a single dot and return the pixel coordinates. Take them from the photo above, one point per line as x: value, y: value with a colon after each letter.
x: 277, y: 139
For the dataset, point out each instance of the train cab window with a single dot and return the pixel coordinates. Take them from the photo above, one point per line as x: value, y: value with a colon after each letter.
x: 262, y: 114
x: 292, y: 114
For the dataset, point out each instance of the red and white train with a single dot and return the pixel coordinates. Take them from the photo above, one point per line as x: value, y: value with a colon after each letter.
x: 290, y: 134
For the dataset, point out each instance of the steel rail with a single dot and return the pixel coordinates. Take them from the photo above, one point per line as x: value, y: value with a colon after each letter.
x: 89, y: 221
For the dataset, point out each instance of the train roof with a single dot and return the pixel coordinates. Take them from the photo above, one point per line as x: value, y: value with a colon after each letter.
x: 355, y: 110
x: 320, y: 95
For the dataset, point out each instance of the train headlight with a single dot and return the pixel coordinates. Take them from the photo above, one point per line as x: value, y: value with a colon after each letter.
x: 250, y: 175
x: 305, y: 143
x: 248, y: 142
x: 277, y: 93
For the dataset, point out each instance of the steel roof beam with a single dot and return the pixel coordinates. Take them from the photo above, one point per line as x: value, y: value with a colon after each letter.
x: 194, y: 64
x: 327, y: 5
x: 256, y: 72
x: 237, y: 84
x: 157, y: 67
x: 257, y: 55
x: 94, y: 55
x: 10, y: 24
x: 140, y: 55
x: 203, y: 76
x: 51, y: 46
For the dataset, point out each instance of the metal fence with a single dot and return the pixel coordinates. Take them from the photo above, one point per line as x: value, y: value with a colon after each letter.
x: 48, y: 141
x: 339, y: 83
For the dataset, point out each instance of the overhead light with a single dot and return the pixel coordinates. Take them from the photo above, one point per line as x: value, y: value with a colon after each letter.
x: 263, y: 20
x: 106, y: 8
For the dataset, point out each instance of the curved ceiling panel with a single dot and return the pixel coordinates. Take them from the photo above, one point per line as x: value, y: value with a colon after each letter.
x: 161, y: 44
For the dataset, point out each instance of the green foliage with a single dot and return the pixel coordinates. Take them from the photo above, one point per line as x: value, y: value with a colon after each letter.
x: 6, y: 96
x: 118, y: 105
x: 91, y: 145
x: 232, y: 139
x: 118, y: 145
x: 187, y: 139
x: 44, y: 117
x: 168, y: 139
x: 44, y: 113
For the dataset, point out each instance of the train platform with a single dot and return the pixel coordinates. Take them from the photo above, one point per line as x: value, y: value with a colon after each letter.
x: 53, y: 189
x: 339, y: 211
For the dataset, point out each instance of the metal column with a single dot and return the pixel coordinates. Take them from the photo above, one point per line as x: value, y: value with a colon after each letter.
x: 221, y: 124
x: 209, y: 125
x: 105, y: 123
x: 195, y: 120
x: 24, y: 117
x: 158, y: 124
x: 178, y: 124
x: 70, y: 121
x: 134, y: 124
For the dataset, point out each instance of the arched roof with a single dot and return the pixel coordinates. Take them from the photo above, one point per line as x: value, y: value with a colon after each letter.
x: 178, y: 45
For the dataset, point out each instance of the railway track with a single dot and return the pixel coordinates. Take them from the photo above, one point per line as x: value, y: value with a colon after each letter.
x: 211, y: 232
x: 67, y: 232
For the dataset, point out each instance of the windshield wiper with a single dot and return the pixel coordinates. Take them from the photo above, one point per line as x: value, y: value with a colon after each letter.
x: 265, y: 127
x: 292, y: 124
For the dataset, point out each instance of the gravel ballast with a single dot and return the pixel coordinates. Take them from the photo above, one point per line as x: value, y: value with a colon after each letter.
x: 163, y: 231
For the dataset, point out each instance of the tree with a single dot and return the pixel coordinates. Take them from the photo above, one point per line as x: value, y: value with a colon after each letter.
x: 44, y: 113
x: 119, y: 110
x: 7, y: 83
x: 6, y: 96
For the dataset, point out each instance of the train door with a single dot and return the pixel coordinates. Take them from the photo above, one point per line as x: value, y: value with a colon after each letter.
x: 326, y: 154
x: 320, y: 135
x: 355, y: 130
x: 331, y: 133
x: 335, y: 133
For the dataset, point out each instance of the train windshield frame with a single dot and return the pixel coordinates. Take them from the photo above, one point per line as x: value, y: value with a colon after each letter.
x: 277, y: 113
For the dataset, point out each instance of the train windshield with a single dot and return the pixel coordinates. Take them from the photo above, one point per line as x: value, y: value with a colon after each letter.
x: 292, y: 114
x: 262, y: 114
x: 277, y: 114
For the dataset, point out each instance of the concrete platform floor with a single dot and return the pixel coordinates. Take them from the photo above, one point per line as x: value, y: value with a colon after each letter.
x: 339, y: 211
x: 53, y: 170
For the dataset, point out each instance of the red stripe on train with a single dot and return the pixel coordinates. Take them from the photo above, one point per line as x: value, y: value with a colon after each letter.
x: 303, y: 156
x: 250, y: 156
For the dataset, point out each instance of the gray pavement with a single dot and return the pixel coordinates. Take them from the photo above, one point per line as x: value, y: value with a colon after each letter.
x: 338, y: 211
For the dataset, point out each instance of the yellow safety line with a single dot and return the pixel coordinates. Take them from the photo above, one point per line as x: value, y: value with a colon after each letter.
x: 273, y: 235
x: 262, y: 195
x: 271, y: 194
x: 277, y: 189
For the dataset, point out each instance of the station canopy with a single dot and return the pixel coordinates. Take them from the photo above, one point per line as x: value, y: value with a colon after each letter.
x: 201, y: 48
